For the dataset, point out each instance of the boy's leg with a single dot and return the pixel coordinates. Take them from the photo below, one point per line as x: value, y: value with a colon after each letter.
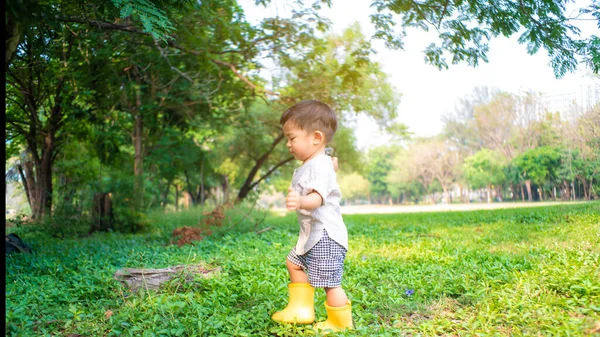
x: 336, y: 297
x: 330, y: 268
x: 300, y: 308
x: 297, y: 274
x: 339, y: 312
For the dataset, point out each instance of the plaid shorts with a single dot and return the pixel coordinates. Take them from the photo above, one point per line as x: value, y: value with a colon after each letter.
x: 324, y: 263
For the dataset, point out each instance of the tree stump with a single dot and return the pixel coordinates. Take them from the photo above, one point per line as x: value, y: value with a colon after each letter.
x: 14, y: 244
x: 102, y: 213
x: 136, y: 278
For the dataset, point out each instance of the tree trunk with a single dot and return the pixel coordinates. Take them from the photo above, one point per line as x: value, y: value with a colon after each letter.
x: 584, y: 184
x: 528, y: 186
x: 43, y: 168
x: 12, y: 38
x: 189, y: 187
x: 467, y: 195
x: 102, y: 214
x: 488, y: 192
x: 166, y: 194
x: 445, y: 198
x: 69, y: 190
x: 138, y: 165
x: 249, y: 184
x: 522, y: 192
x: 177, y: 197
x: 28, y: 181
x: 564, y: 191
x: 202, y: 183
x: 225, y: 186
x: 244, y: 192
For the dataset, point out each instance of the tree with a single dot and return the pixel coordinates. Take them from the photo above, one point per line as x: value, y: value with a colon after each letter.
x: 445, y: 164
x: 509, y: 123
x: 140, y: 15
x: 587, y: 143
x: 495, y: 123
x: 336, y: 70
x: 353, y: 186
x: 91, y: 64
x: 379, y: 165
x: 424, y: 163
x: 538, y: 166
x: 484, y: 169
x: 580, y: 139
x: 465, y: 27
x: 41, y: 101
x: 403, y: 178
x: 460, y: 126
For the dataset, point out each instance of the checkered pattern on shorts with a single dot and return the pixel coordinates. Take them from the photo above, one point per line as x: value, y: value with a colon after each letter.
x: 324, y: 262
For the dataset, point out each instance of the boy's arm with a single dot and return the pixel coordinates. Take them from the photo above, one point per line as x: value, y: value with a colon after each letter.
x: 295, y: 201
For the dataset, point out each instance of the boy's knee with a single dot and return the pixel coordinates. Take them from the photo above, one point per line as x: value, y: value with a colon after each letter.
x: 292, y: 265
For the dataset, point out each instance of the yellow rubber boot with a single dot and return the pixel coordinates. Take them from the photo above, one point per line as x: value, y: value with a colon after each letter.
x: 338, y: 318
x: 301, y: 307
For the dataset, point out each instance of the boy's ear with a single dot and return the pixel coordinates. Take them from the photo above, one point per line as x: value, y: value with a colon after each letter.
x: 318, y: 137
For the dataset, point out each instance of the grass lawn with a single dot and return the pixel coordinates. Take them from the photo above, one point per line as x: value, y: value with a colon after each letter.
x: 518, y: 272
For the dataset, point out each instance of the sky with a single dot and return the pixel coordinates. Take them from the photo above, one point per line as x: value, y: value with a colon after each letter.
x: 429, y: 93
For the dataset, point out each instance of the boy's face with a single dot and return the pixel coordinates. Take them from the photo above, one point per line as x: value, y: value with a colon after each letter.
x: 301, y: 144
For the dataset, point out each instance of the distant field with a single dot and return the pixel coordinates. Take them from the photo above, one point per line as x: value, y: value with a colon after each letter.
x: 381, y: 209
x: 391, y: 209
x: 510, y: 272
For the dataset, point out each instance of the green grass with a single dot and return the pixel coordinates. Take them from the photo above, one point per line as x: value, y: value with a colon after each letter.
x: 523, y: 272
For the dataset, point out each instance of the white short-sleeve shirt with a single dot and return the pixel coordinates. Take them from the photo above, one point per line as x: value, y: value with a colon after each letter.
x: 318, y: 175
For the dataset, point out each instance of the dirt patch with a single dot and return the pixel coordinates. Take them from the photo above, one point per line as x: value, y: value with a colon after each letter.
x: 595, y: 329
x: 445, y: 307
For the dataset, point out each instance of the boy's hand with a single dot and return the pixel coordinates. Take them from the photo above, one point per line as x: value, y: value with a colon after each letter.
x: 292, y: 201
x: 335, y: 163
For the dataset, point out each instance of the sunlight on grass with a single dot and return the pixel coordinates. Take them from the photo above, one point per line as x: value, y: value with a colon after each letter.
x: 524, y: 272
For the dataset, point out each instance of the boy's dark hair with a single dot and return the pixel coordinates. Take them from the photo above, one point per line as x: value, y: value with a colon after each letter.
x: 312, y: 115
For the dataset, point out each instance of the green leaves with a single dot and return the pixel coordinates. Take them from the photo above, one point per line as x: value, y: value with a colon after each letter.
x: 538, y: 164
x: 464, y: 29
x: 484, y: 168
x: 154, y: 19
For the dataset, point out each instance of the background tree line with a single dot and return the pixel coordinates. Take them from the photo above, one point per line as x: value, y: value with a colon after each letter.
x: 494, y: 146
x: 145, y: 100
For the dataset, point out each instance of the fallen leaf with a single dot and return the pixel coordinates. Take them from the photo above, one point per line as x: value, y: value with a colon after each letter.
x: 108, y: 313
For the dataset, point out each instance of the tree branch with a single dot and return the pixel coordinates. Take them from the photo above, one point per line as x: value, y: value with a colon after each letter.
x: 172, y: 43
x: 16, y: 126
x: 278, y: 165
x: 103, y: 24
x: 164, y: 56
x: 442, y: 15
x: 246, y: 80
